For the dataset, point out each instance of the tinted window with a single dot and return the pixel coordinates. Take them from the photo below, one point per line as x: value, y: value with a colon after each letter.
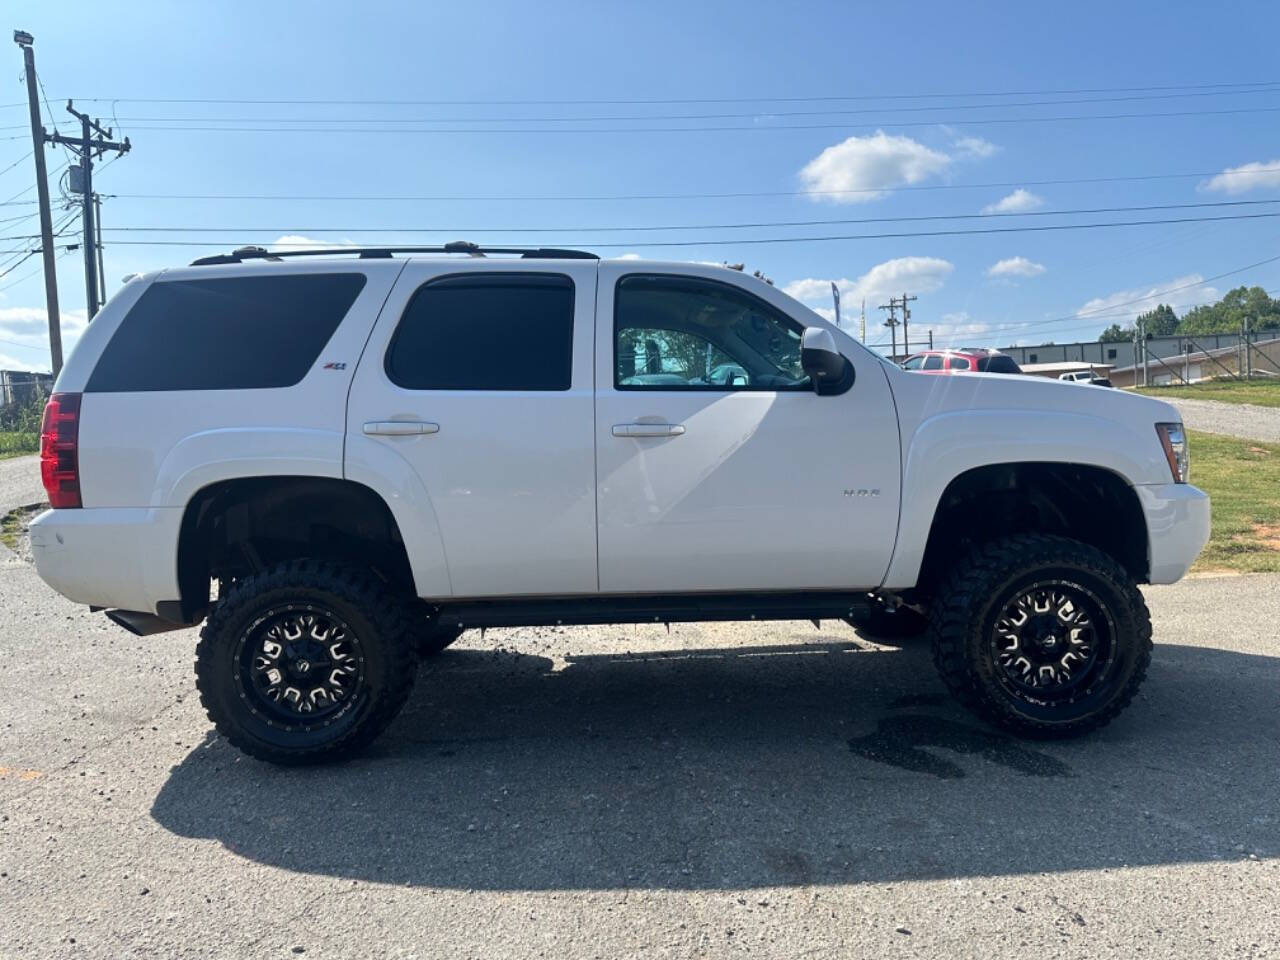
x: 225, y: 333
x: 933, y: 363
x: 685, y: 333
x: 486, y: 332
x: 998, y: 364
x: 960, y: 363
x: 913, y: 363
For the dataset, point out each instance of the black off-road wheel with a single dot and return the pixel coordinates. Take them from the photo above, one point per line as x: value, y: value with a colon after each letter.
x: 305, y: 662
x: 1042, y: 635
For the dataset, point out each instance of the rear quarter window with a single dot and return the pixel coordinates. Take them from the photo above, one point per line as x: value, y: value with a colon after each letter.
x: 490, y: 331
x: 225, y: 333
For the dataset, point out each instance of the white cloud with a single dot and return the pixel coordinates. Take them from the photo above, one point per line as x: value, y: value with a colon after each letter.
x: 1123, y: 306
x: 1015, y: 267
x: 296, y: 241
x: 13, y: 363
x: 1246, y: 177
x: 29, y: 327
x: 869, y: 167
x: 956, y: 328
x: 915, y: 275
x: 1020, y: 201
x: 629, y: 256
x: 974, y: 148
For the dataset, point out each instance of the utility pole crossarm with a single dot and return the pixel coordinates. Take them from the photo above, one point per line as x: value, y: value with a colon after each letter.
x: 86, y: 147
x: 98, y: 146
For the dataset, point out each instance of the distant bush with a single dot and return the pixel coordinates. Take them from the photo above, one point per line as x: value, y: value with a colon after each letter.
x: 11, y: 443
x: 24, y: 415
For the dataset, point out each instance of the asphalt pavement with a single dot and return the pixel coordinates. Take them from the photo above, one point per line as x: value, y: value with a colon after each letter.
x: 722, y: 790
x: 774, y: 790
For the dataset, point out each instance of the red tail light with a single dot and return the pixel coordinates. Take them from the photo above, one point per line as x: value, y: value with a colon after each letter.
x: 59, y: 453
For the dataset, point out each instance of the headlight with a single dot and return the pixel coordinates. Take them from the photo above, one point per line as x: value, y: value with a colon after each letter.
x: 1174, y: 440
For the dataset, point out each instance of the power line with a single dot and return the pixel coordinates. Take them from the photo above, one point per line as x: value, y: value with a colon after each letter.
x: 16, y: 162
x: 1112, y: 310
x: 757, y: 241
x: 690, y: 116
x: 720, y: 128
x: 1003, y: 184
x: 688, y: 226
x: 660, y: 101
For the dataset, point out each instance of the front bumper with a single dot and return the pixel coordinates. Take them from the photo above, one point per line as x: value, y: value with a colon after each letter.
x: 109, y: 556
x: 1177, y: 527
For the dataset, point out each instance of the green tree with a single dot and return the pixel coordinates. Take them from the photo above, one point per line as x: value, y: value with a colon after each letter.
x: 1228, y: 314
x: 1115, y: 333
x: 1160, y: 322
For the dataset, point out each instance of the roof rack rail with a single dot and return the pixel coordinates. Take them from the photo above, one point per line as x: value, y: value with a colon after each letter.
x: 379, y: 253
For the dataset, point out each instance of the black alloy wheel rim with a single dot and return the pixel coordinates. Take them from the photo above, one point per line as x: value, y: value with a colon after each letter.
x: 1052, y: 642
x: 299, y: 667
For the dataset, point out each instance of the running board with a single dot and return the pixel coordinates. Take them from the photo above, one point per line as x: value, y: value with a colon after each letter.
x: 543, y: 612
x: 142, y: 624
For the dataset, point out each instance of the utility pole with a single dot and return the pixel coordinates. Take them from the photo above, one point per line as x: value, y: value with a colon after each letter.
x: 86, y: 147
x: 1136, y: 334
x: 930, y: 339
x: 1146, y: 355
x: 906, y: 315
x: 864, y: 320
x: 892, y: 324
x: 38, y: 137
x: 1248, y: 352
x: 97, y: 224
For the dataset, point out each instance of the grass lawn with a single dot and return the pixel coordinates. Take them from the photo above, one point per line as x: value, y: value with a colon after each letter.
x: 1263, y: 392
x: 1243, y: 479
x: 18, y: 444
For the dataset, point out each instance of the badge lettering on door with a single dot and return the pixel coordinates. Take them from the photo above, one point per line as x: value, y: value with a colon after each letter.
x: 335, y: 366
x: 862, y: 492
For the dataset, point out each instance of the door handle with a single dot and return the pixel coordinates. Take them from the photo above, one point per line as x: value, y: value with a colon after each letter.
x: 648, y: 429
x: 399, y: 428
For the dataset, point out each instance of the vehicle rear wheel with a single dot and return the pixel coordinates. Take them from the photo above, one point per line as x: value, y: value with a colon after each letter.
x: 305, y: 662
x: 1042, y: 635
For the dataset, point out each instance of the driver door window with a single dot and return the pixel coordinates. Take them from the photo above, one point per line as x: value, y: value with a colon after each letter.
x: 687, y: 333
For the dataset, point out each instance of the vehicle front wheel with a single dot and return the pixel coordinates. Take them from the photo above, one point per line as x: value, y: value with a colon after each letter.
x: 1042, y: 635
x: 305, y: 662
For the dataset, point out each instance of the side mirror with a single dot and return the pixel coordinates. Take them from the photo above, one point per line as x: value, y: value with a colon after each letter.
x: 829, y: 369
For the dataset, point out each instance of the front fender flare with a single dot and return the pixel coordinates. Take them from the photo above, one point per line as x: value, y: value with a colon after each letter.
x: 947, y: 445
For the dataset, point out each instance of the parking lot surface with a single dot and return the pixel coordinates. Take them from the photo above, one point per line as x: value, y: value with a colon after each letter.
x: 721, y: 790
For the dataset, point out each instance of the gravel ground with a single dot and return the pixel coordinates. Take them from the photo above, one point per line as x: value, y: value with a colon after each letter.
x: 20, y: 483
x: 1245, y: 420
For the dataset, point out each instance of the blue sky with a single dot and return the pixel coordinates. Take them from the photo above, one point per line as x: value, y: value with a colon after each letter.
x: 757, y: 67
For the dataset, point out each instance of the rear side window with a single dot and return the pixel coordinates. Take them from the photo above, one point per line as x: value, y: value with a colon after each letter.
x: 998, y: 364
x: 959, y: 363
x: 225, y: 333
x: 486, y: 332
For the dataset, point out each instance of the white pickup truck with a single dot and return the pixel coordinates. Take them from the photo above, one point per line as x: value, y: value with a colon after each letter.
x: 341, y: 460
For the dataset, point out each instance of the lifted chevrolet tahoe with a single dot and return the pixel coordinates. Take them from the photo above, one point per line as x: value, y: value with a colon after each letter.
x: 339, y: 460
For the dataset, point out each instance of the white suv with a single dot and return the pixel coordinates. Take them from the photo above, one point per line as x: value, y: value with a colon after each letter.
x: 341, y: 462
